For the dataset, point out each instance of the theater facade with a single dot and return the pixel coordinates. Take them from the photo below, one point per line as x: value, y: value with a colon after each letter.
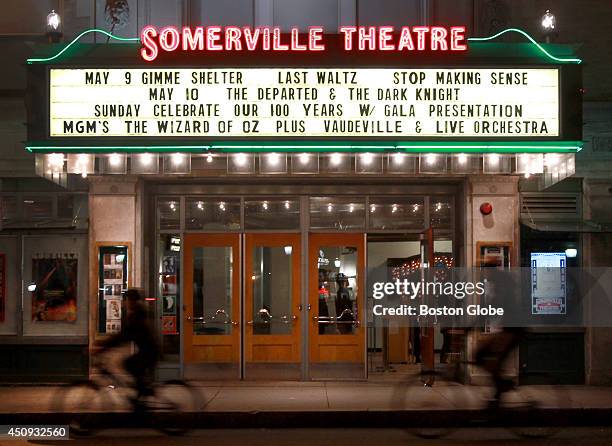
x: 255, y: 184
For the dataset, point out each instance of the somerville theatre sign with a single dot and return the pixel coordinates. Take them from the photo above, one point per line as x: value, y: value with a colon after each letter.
x: 363, y: 84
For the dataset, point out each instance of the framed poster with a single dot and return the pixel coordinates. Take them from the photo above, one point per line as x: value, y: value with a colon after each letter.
x: 2, y: 286
x: 169, y: 325
x: 55, y: 293
x: 548, y: 282
x: 169, y: 304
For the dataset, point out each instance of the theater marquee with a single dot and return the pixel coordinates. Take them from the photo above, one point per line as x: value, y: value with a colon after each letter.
x: 305, y: 102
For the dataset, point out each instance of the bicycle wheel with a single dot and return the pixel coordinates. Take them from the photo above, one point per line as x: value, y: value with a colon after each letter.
x: 536, y: 406
x: 80, y: 402
x: 435, y: 388
x: 174, y: 397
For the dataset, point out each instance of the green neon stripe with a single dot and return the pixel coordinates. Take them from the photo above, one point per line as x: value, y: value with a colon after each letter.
x: 531, y: 39
x: 417, y: 147
x: 88, y: 31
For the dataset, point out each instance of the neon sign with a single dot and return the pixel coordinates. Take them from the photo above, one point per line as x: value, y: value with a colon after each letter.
x: 354, y: 38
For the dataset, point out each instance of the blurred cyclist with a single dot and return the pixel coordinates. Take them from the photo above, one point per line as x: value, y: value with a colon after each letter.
x: 136, y: 329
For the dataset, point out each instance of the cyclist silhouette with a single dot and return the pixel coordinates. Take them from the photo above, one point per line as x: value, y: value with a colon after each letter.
x: 137, y: 329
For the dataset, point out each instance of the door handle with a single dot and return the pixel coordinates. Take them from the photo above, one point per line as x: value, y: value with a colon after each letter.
x: 188, y: 318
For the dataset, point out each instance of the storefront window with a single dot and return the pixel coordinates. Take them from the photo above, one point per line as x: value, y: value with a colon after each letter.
x: 396, y: 213
x: 337, y: 213
x: 272, y: 290
x: 272, y: 214
x: 337, y: 310
x: 169, y: 249
x: 212, y: 215
x: 212, y: 290
x: 169, y: 213
x: 440, y: 212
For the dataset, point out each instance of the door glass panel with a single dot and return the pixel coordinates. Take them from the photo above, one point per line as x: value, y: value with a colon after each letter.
x: 212, y: 290
x: 337, y: 266
x: 271, y: 280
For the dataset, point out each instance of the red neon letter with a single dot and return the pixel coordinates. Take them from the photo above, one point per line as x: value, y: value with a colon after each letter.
x: 370, y: 36
x: 315, y: 38
x: 265, y: 39
x: 193, y: 40
x: 438, y: 37
x: 420, y: 32
x: 149, y: 50
x: 251, y: 37
x: 232, y: 38
x: 295, y: 41
x: 276, y: 41
x: 384, y: 36
x: 169, y: 38
x: 457, y: 36
x: 348, y: 36
x: 212, y: 38
x: 405, y: 40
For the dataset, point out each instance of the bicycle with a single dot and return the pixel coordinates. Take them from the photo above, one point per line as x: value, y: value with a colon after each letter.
x: 108, y: 392
x: 514, y: 410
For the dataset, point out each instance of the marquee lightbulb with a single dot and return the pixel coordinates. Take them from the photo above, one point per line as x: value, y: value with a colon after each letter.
x: 394, y: 208
x: 178, y: 158
x: 431, y: 158
x: 240, y: 159
x: 146, y: 159
x: 273, y: 159
x: 336, y: 158
x: 372, y: 208
x: 330, y: 207
x: 265, y: 205
x: 304, y: 158
x: 209, y: 158
x: 367, y: 158
x: 351, y: 207
x: 114, y: 159
x: 462, y: 159
x: 287, y: 204
x: 493, y: 159
x: 200, y: 205
x: 222, y: 206
x: 398, y: 158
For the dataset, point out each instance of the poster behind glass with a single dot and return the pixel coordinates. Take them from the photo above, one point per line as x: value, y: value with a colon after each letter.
x: 54, y: 287
x: 112, y: 285
x: 548, y: 282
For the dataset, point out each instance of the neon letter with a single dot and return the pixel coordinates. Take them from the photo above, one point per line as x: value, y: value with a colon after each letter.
x: 405, y: 40
x: 251, y: 37
x: 457, y: 37
x: 315, y: 38
x: 149, y: 51
x: 348, y: 36
x: 295, y: 41
x: 212, y: 38
x: 370, y: 37
x: 276, y: 41
x: 169, y: 38
x: 420, y: 32
x: 193, y: 40
x: 384, y: 36
x: 232, y: 38
x: 438, y: 37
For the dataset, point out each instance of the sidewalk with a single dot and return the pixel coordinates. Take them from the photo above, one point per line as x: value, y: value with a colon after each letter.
x: 315, y: 403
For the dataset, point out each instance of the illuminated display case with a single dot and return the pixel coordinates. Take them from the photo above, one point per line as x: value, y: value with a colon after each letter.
x: 112, y: 284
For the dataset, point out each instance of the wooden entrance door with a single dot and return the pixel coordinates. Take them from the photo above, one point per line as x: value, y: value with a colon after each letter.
x: 272, y: 306
x: 337, y: 305
x: 212, y: 306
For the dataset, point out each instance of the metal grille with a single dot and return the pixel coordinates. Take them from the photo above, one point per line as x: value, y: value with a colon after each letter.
x: 550, y: 205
